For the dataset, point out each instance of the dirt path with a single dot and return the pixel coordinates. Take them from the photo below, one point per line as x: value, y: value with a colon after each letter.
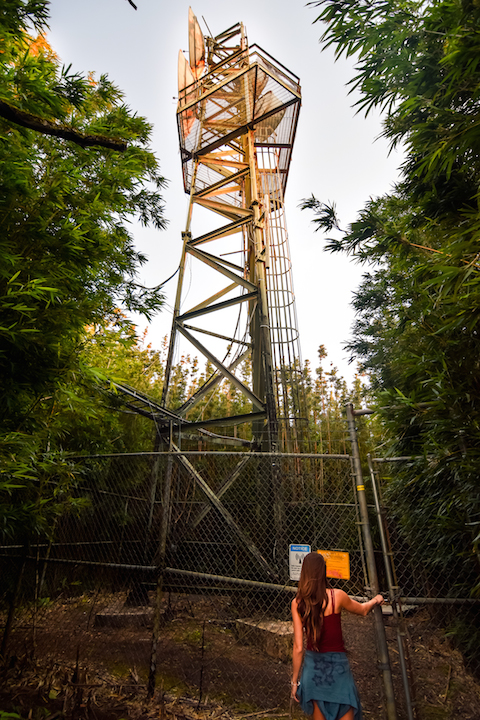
x: 198, y: 653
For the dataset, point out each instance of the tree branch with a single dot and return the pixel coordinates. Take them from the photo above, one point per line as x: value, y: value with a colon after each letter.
x: 33, y: 122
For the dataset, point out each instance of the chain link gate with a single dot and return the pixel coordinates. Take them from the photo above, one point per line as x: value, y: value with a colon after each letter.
x: 434, y: 611
x: 86, y: 593
x: 214, y: 528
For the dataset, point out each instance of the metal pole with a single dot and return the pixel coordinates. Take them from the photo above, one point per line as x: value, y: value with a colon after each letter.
x: 13, y: 606
x: 264, y: 357
x: 153, y: 492
x: 384, y: 660
x: 160, y: 573
x: 186, y: 236
x: 392, y: 591
x: 381, y: 527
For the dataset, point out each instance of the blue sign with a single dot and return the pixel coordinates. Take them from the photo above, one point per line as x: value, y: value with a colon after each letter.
x: 300, y: 548
x: 295, y: 560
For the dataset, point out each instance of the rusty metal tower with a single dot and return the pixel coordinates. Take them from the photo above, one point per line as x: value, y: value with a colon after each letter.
x: 237, y: 116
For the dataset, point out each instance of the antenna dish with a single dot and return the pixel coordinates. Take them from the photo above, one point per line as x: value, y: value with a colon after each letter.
x: 185, y: 75
x: 196, y: 46
x: 185, y: 79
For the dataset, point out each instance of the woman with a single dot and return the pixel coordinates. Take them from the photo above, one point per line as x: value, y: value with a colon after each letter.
x: 327, y: 688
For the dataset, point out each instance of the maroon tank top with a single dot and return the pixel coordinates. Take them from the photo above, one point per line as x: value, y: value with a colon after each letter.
x: 331, y: 638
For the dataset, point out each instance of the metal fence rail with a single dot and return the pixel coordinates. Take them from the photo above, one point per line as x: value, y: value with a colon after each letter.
x: 176, y: 564
x: 431, y: 598
x: 214, y: 528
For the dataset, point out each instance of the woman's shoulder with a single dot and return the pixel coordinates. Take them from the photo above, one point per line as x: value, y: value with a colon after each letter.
x: 340, y: 597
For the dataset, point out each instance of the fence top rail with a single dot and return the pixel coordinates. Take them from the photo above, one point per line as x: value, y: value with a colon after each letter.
x: 228, y: 580
x: 314, y: 456
x: 404, y: 458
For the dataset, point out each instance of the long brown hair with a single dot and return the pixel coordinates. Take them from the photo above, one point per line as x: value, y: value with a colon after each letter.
x: 312, y: 596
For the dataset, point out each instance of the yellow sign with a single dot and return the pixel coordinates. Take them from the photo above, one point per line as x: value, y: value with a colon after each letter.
x: 338, y: 564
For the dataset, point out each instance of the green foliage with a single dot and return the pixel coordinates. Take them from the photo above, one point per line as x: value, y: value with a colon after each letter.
x: 417, y: 308
x: 94, y: 421
x: 419, y: 61
x: 35, y: 489
x: 82, y: 416
x: 327, y: 396
x: 67, y: 257
x: 15, y: 15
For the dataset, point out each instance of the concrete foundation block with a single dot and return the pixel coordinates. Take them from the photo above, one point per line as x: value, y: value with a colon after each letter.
x: 124, y: 617
x: 274, y: 637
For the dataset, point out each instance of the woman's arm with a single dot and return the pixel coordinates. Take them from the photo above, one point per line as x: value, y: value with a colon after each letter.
x: 297, y: 654
x: 352, y: 606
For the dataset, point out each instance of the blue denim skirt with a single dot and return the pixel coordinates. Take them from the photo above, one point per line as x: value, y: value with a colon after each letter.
x: 327, y: 679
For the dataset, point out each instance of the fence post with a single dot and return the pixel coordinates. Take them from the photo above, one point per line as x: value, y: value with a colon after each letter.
x: 372, y: 570
x: 279, y: 517
x: 13, y: 606
x: 166, y: 502
x: 392, y: 590
x: 153, y: 493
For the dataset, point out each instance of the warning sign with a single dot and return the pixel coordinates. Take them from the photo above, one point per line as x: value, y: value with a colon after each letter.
x: 295, y: 560
x: 338, y: 564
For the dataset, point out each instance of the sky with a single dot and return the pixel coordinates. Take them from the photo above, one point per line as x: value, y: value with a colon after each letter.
x: 338, y: 155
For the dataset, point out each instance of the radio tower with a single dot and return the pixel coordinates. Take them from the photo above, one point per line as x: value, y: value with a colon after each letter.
x: 237, y: 116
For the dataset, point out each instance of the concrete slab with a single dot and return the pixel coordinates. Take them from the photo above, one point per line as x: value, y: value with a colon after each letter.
x: 120, y: 617
x: 274, y: 637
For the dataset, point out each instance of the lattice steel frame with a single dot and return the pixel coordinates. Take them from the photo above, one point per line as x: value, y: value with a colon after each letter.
x: 236, y: 126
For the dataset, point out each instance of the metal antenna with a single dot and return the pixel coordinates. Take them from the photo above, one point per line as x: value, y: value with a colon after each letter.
x: 237, y: 117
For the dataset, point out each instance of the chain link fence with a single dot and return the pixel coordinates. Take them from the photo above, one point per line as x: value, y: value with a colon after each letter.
x: 195, y: 542
x: 429, y: 571
x: 193, y: 548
